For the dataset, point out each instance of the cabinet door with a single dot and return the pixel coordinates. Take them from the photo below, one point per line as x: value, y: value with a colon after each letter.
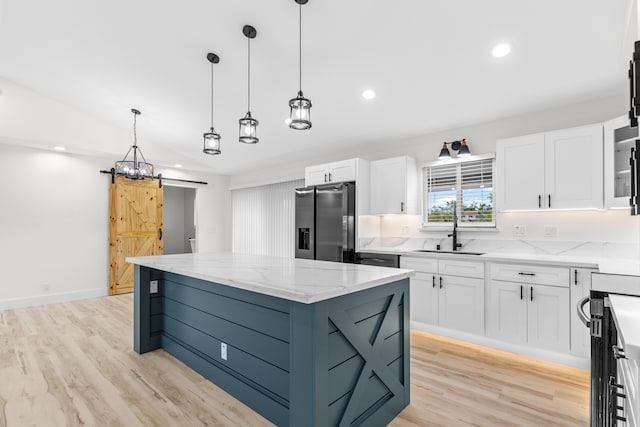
x: 573, y: 163
x: 520, y: 172
x: 618, y: 140
x: 579, y: 288
x: 390, y: 186
x: 461, y: 303
x: 316, y: 175
x: 548, y: 317
x: 344, y: 170
x: 507, y: 311
x: 424, y: 298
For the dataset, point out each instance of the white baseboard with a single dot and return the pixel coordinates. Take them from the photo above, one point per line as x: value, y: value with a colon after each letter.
x: 551, y: 356
x: 9, y: 304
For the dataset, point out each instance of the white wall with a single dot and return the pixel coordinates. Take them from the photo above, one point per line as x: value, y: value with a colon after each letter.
x: 54, y: 224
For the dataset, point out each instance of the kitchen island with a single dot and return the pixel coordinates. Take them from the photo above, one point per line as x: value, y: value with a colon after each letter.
x: 302, y: 342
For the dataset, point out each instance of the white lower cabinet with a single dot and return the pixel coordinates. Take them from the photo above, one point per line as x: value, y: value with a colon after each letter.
x: 461, y: 303
x: 446, y: 300
x: 522, y: 312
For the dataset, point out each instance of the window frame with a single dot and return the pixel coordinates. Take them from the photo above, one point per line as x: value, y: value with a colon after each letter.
x: 432, y: 226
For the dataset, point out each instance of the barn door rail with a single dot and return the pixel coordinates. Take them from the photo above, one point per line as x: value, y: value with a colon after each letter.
x: 159, y: 177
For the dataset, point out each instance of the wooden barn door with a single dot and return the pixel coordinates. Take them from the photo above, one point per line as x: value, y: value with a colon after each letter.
x: 135, y: 227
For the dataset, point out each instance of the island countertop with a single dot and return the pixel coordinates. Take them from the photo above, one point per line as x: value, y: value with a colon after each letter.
x: 300, y: 280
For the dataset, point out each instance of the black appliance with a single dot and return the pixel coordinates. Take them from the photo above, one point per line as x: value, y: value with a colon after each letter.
x: 381, y: 260
x: 606, y: 393
x: 634, y: 112
x: 326, y: 222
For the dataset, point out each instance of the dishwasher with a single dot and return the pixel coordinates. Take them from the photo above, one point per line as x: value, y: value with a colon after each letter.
x: 379, y: 259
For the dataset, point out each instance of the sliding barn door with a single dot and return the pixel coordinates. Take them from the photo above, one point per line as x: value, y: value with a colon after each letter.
x: 135, y: 227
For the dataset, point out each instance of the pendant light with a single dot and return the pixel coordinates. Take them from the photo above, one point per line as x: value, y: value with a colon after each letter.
x: 461, y: 147
x: 464, y: 149
x: 211, y: 138
x: 134, y: 169
x: 444, y: 152
x: 300, y: 107
x: 248, y: 124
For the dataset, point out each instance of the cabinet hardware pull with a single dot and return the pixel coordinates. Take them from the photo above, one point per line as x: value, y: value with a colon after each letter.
x: 440, y: 282
x: 159, y: 233
x: 549, y: 200
x: 521, y: 292
x: 433, y: 281
x: 325, y: 177
x: 531, y: 293
x: 526, y: 274
x: 401, y: 206
x: 575, y: 276
x: 539, y: 201
x: 330, y: 181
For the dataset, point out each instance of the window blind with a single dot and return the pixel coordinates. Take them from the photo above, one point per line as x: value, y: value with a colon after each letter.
x: 263, y: 219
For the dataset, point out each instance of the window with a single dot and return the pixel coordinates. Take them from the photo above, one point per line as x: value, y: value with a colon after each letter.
x: 466, y: 185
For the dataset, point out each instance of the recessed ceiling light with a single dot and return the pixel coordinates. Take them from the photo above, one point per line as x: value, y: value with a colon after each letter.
x: 178, y: 165
x: 501, y: 50
x: 368, y: 94
x: 59, y: 148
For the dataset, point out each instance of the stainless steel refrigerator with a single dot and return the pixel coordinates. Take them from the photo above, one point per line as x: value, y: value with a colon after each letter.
x: 325, y: 222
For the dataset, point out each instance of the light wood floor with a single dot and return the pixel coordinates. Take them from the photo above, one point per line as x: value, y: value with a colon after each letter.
x: 73, y: 364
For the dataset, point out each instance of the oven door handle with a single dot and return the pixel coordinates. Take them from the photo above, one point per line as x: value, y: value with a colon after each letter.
x: 581, y: 315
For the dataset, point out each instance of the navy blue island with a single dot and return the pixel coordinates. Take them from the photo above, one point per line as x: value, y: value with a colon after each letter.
x: 301, y: 342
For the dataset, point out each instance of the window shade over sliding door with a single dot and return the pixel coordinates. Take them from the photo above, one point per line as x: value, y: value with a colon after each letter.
x: 263, y: 219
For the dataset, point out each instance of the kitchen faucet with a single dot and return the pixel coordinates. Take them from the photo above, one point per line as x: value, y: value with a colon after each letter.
x: 454, y: 234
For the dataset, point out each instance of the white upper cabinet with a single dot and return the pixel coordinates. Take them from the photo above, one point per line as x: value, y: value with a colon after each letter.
x: 520, y: 172
x: 618, y: 140
x: 573, y: 160
x: 394, y: 186
x: 554, y: 170
x: 344, y: 170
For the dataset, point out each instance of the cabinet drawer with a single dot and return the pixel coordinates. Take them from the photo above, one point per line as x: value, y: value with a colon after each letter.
x: 425, y: 265
x: 461, y: 268
x: 533, y: 274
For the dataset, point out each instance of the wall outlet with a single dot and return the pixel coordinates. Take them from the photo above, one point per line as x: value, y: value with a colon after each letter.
x: 550, y: 230
x: 519, y: 230
x: 405, y: 230
x: 223, y: 351
x: 153, y: 287
x: 45, y: 287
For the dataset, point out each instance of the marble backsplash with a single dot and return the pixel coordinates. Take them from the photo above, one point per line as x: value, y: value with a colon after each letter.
x: 596, y: 249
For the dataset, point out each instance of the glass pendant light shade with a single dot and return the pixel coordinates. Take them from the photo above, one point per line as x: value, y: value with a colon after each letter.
x: 300, y: 112
x: 464, y: 149
x: 212, y: 138
x: 211, y: 142
x: 248, y: 127
x: 444, y: 152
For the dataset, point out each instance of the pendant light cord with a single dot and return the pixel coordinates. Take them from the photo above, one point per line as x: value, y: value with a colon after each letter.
x: 300, y: 45
x: 135, y: 135
x: 211, y: 95
x: 248, y: 74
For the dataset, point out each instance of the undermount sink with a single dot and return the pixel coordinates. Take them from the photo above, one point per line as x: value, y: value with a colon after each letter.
x: 448, y: 252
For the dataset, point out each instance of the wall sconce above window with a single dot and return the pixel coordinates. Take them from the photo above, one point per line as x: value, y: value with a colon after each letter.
x: 460, y: 147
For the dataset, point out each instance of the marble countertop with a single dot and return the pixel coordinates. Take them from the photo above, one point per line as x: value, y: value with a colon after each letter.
x: 604, y: 265
x: 626, y: 314
x: 300, y: 280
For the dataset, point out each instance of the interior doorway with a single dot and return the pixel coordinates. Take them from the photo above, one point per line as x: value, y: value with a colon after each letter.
x: 179, y: 219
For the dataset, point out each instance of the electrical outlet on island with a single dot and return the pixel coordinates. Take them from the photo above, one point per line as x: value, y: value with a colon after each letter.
x: 519, y: 230
x: 223, y: 351
x: 153, y: 287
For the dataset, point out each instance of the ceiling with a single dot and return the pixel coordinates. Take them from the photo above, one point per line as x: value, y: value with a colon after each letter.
x: 429, y: 63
